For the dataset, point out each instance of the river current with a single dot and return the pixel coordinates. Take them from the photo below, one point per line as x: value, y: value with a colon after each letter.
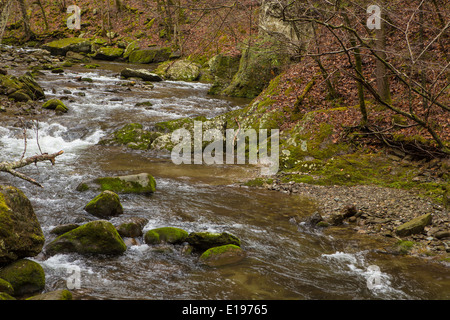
x: 284, y: 261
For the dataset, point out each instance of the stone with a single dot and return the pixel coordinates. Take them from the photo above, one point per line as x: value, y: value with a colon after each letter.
x: 223, y: 255
x: 59, y: 230
x: 132, y: 46
x: 6, y: 287
x: 53, y: 296
x: 442, y: 234
x: 133, y: 136
x: 25, y: 276
x: 150, y: 55
x: 205, y: 240
x: 108, y: 54
x: 20, y: 232
x: 23, y: 88
x: 62, y: 46
x: 143, y: 74
x: 132, y: 228
x: 166, y: 235
x: 142, y: 183
x: 180, y: 70
x: 105, y: 205
x: 75, y: 57
x: 414, y: 226
x: 55, y: 104
x: 96, y: 237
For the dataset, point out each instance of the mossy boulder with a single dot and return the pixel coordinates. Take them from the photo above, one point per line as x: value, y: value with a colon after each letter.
x: 23, y: 88
x: 20, y: 232
x: 166, y: 235
x: 25, y: 276
x: 223, y: 255
x: 75, y: 57
x: 134, y: 136
x: 105, y: 205
x: 97, y: 237
x: 108, y: 53
x: 150, y: 55
x: 132, y: 228
x: 6, y: 287
x: 5, y: 296
x: 206, y: 240
x: 53, y: 296
x: 61, y: 229
x: 180, y: 70
x: 132, y: 46
x: 62, y: 46
x: 142, y: 183
x: 144, y: 74
x: 55, y: 104
x: 414, y: 226
x: 222, y: 68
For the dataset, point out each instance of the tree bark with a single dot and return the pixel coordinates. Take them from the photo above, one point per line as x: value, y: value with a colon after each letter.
x: 381, y: 70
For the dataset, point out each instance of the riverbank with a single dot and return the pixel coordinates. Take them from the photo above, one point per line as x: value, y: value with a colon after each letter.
x: 376, y: 211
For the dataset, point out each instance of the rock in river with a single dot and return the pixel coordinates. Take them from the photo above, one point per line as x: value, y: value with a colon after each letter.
x: 144, y: 74
x: 142, y: 183
x: 223, y: 255
x: 20, y: 232
x: 166, y: 235
x: 205, y: 240
x: 105, y: 205
x: 25, y: 276
x: 96, y: 237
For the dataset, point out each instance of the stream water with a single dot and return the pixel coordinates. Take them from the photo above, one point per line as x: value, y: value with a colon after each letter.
x: 284, y: 261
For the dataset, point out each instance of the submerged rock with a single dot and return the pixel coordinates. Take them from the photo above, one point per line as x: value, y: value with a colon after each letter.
x: 97, y: 237
x: 223, y: 255
x: 142, y: 183
x: 132, y: 228
x: 144, y: 74
x: 25, y: 276
x: 20, y: 232
x: 165, y: 235
x: 105, y: 205
x: 205, y: 240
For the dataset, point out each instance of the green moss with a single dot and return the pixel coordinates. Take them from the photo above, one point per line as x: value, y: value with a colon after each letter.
x: 120, y: 186
x: 165, y: 235
x: 134, y: 136
x: 55, y: 104
x: 24, y: 276
x: 206, y: 240
x: 152, y: 55
x: 222, y: 255
x: 404, y: 247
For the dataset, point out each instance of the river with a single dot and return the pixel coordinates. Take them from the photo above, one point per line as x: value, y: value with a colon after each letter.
x: 284, y: 261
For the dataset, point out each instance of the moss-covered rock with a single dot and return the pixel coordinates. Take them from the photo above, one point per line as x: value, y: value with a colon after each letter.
x: 62, y: 46
x: 222, y: 68
x: 180, y: 70
x: 414, y: 226
x: 223, y: 255
x: 5, y: 296
x: 97, y: 237
x: 74, y: 57
x: 165, y: 235
x: 108, y: 53
x: 25, y: 276
x: 55, y: 104
x: 132, y: 228
x: 142, y: 183
x: 23, y: 88
x: 20, y: 232
x: 133, y: 136
x: 205, y: 240
x: 105, y: 205
x: 132, y: 46
x: 150, y: 55
x: 61, y: 229
x: 6, y: 287
x: 53, y: 295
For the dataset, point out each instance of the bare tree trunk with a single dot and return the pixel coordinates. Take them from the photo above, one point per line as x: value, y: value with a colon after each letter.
x: 381, y: 70
x: 26, y: 21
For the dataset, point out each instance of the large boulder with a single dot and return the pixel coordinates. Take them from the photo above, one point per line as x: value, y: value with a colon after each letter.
x: 142, y: 183
x: 23, y: 88
x: 62, y: 46
x: 20, y: 232
x: 133, y: 136
x: 206, y: 240
x: 223, y: 255
x: 414, y: 226
x: 25, y: 276
x: 180, y: 70
x: 222, y: 68
x: 150, y: 55
x: 166, y: 235
x: 144, y: 74
x: 97, y: 237
x: 108, y: 53
x: 132, y: 46
x: 105, y: 205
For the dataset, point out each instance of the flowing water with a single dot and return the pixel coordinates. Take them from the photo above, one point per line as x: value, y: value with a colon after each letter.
x: 284, y: 261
